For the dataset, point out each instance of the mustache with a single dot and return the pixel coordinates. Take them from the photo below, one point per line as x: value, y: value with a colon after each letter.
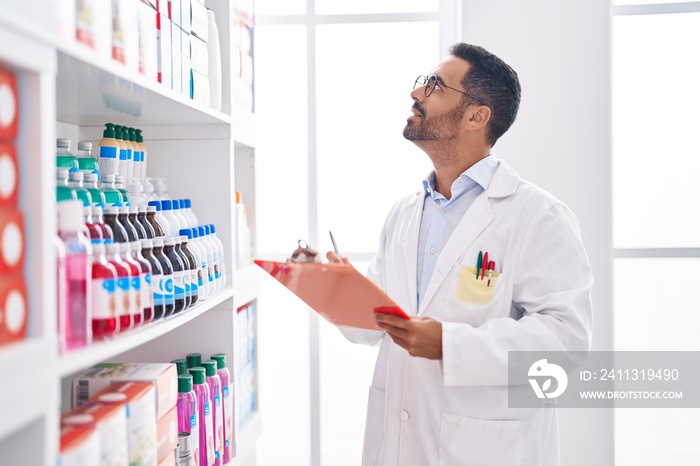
x: 417, y: 107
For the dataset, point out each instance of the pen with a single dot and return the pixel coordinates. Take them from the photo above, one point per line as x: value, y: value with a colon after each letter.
x: 478, y: 264
x: 484, y: 264
x: 335, y: 246
x: 492, y: 265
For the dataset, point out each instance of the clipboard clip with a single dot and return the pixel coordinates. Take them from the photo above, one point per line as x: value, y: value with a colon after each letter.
x: 304, y: 253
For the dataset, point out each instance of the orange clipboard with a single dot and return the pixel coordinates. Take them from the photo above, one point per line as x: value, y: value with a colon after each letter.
x: 338, y: 292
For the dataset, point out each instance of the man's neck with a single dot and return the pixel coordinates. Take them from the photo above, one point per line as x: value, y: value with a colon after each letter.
x: 450, y: 162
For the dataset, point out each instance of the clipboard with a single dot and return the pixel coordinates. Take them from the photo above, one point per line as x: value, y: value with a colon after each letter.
x: 338, y: 292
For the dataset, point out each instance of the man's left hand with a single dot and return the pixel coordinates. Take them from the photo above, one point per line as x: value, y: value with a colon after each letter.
x: 420, y: 336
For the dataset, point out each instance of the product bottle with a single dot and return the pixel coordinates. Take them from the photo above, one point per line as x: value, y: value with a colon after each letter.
x: 124, y: 292
x: 205, y: 288
x: 75, y: 181
x: 186, y: 452
x: 90, y: 183
x: 61, y: 292
x: 178, y: 273
x: 179, y: 211
x: 77, y: 322
x: 156, y: 277
x: 151, y: 218
x: 188, y: 410
x: 123, y: 219
x: 166, y: 283
x: 214, y: 52
x: 109, y: 152
x: 94, y: 230
x: 135, y: 189
x: 198, y: 260
x: 173, y: 222
x: 206, y: 432
x: 119, y: 185
x: 124, y: 150
x: 186, y: 272
x: 194, y: 269
x: 86, y: 161
x: 147, y: 227
x: 118, y: 230
x: 180, y: 365
x: 227, y: 392
x: 63, y: 191
x: 160, y: 218
x: 194, y: 360
x: 106, y: 307
x: 220, y: 249
x: 98, y: 219
x: 140, y: 231
x: 64, y: 157
x: 146, y: 277
x: 144, y: 153
x: 134, y: 283
x: 193, y: 218
x: 112, y: 194
x: 135, y: 150
x: 217, y: 406
x: 212, y: 257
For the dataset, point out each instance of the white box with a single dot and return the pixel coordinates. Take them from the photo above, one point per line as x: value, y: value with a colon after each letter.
x: 66, y: 19
x: 200, y: 88
x: 79, y: 446
x: 199, y: 20
x: 177, y: 58
x: 185, y: 15
x: 186, y: 65
x: 174, y: 7
x: 165, y: 50
x: 148, y: 41
x: 93, y: 25
x: 199, y: 55
x: 125, y: 33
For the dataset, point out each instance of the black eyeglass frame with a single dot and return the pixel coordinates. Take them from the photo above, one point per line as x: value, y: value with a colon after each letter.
x: 423, y: 80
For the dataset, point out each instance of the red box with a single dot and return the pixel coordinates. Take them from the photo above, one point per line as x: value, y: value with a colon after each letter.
x: 79, y: 445
x: 14, y: 308
x: 11, y: 241
x: 9, y: 176
x: 166, y: 435
x: 9, y: 105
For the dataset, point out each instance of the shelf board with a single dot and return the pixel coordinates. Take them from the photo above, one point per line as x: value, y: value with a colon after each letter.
x: 92, y: 90
x: 247, y: 438
x: 83, y: 358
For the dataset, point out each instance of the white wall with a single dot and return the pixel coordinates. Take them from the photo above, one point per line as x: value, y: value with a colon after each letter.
x: 561, y: 142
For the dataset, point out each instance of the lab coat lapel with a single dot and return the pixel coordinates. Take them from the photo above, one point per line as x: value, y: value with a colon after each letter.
x: 411, y: 227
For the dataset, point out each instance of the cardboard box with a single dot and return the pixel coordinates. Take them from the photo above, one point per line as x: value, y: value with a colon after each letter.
x: 165, y: 51
x: 200, y: 88
x: 166, y: 435
x: 93, y: 25
x: 163, y: 7
x: 125, y: 33
x: 9, y: 174
x: 14, y: 308
x: 199, y: 55
x: 242, y: 94
x: 174, y: 11
x: 186, y: 16
x: 148, y: 41
x: 177, y: 58
x: 199, y: 20
x: 169, y: 461
x: 110, y: 423
x: 12, y: 238
x: 139, y: 398
x: 186, y: 65
x: 78, y: 446
x: 9, y: 105
x: 162, y: 376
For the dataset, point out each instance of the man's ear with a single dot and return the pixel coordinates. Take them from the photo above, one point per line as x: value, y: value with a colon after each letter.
x: 478, y: 117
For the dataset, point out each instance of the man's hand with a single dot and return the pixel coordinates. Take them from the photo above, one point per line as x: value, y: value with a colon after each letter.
x: 335, y: 258
x: 420, y: 336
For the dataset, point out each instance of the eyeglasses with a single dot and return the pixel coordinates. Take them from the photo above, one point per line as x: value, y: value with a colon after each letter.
x: 431, y: 82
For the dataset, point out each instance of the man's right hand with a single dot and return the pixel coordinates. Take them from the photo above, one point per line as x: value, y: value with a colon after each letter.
x: 336, y: 259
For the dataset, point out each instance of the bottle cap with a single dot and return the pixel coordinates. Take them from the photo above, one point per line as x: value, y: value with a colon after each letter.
x: 119, y: 134
x: 207, y: 229
x: 142, y: 209
x: 156, y: 204
x: 188, y: 203
x: 169, y: 241
x: 202, y: 231
x: 210, y: 367
x: 125, y: 247
x: 166, y: 204
x: 186, y: 232
x: 108, y: 178
x: 97, y: 210
x: 109, y: 131
x: 195, y: 232
x: 112, y: 248
x: 220, y: 359
x: 184, y: 447
x: 75, y: 175
x: 139, y: 138
x: 212, y: 228
x: 146, y: 243
x: 61, y: 173
x: 90, y: 177
x: 132, y: 134
x: 157, y: 242
x: 84, y: 145
x: 63, y: 143
x: 183, y: 239
x: 177, y: 241
x: 111, y: 210
x: 151, y: 208
x: 181, y: 366
x: 123, y: 210
x: 133, y: 209
x: 184, y: 383
x: 176, y: 204
x: 119, y: 178
x: 70, y: 216
x: 199, y: 375
x: 87, y: 211
x: 194, y: 359
x: 98, y: 248
x: 136, y: 246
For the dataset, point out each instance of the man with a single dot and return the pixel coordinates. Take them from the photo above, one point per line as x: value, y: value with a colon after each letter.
x: 440, y: 390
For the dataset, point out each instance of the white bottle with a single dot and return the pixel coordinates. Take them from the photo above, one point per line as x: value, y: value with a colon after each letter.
x: 138, y: 197
x: 160, y: 218
x: 190, y: 212
x: 199, y: 236
x: 201, y: 260
x: 214, y: 52
x: 222, y: 261
x: 148, y: 189
x: 173, y: 221
x: 204, y: 235
x: 160, y: 188
x: 184, y: 222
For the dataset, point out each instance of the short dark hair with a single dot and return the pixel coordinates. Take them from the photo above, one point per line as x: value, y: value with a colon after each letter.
x: 496, y: 83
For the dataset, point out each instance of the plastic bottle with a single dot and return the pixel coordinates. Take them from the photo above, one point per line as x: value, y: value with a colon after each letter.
x: 148, y: 189
x: 75, y: 181
x: 214, y: 53
x: 217, y: 259
x: 94, y: 230
x: 211, y: 258
x: 125, y: 151
x: 194, y: 269
x: 152, y: 220
x: 86, y: 161
x: 119, y: 185
x: 147, y: 227
x: 173, y: 222
x: 217, y: 416
x: 112, y: 194
x: 108, y: 152
x: 160, y: 218
x: 161, y: 190
x: 220, y: 249
x: 64, y: 157
x: 178, y: 274
x: 144, y: 153
x: 186, y: 272
x: 156, y: 277
x: 63, y: 191
x: 206, y: 432
x: 124, y: 292
x: 180, y: 365
x: 184, y: 223
x: 98, y: 219
x: 77, y: 321
x: 90, y: 183
x: 135, y: 151
x: 134, y: 283
x: 133, y: 213
x: 112, y: 218
x: 166, y: 282
x: 61, y: 291
x: 197, y: 254
x: 135, y: 189
x: 227, y: 393
x: 106, y: 307
x: 194, y: 220
x: 205, y: 285
x: 188, y: 410
x: 146, y: 277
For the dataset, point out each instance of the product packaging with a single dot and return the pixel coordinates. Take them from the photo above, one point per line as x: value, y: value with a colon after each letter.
x: 79, y: 446
x: 177, y: 58
x: 13, y: 308
x: 12, y: 236
x: 162, y: 376
x: 168, y: 461
x: 9, y: 174
x: 110, y: 423
x: 148, y: 41
x: 174, y: 11
x: 9, y: 105
x: 186, y: 64
x: 199, y: 55
x: 200, y: 88
x: 199, y: 21
x: 125, y: 33
x: 166, y: 434
x: 93, y: 26
x: 165, y: 51
x: 186, y: 16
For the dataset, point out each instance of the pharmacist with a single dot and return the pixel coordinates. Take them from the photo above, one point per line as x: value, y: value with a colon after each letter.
x: 439, y: 393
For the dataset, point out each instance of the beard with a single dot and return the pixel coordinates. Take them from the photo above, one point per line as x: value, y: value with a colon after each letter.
x: 439, y: 128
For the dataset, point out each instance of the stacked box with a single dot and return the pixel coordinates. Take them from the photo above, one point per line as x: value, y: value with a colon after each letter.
x: 78, y: 446
x: 241, y: 55
x: 110, y: 423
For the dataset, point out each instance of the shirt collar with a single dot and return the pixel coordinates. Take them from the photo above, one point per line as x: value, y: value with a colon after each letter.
x: 480, y: 173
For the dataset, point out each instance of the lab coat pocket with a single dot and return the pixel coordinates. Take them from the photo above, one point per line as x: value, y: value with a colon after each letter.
x: 473, y: 290
x: 374, y: 427
x: 475, y: 442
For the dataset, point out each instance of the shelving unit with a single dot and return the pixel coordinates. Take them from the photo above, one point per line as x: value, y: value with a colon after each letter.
x: 203, y: 154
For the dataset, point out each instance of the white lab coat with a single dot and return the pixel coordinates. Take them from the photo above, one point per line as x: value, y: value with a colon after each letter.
x: 455, y: 411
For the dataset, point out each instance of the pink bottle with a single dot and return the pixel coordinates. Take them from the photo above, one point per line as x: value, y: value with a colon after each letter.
x: 96, y: 234
x: 134, y: 283
x: 76, y: 324
x: 217, y: 417
x: 206, y: 431
x: 123, y: 286
x: 98, y: 219
x: 227, y: 403
x: 105, y: 304
x: 187, y: 411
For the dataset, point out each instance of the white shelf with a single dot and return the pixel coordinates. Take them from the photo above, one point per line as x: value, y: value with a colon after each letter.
x: 247, y: 438
x: 245, y: 285
x: 83, y: 358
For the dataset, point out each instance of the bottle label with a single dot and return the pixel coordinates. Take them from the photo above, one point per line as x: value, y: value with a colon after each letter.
x: 129, y: 154
x: 186, y: 282
x: 146, y: 298
x: 158, y: 298
x: 217, y: 274
x: 210, y: 433
x: 228, y: 414
x: 218, y: 426
x: 108, y: 152
x: 178, y: 283
x: 136, y: 287
x: 123, y: 285
x: 165, y: 286
x: 194, y: 282
x: 122, y: 154
x: 210, y: 272
x: 194, y: 435
x: 201, y: 273
x: 104, y: 298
